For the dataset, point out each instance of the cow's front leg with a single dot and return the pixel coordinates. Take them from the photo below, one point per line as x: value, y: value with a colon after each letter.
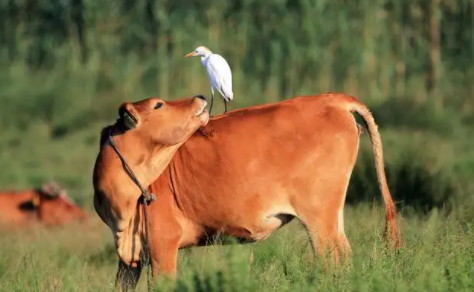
x: 165, y: 235
x: 164, y: 256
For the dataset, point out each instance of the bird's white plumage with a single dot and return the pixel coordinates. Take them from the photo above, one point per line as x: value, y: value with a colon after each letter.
x: 218, y: 71
x: 219, y: 75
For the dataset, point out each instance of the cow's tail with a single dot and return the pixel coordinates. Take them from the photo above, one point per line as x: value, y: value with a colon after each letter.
x: 390, y: 211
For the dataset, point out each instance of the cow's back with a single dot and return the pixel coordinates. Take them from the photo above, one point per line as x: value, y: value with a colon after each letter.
x: 256, y: 160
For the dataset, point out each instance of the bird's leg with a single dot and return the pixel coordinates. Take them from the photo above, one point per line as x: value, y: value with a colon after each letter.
x: 225, y: 106
x: 212, y: 100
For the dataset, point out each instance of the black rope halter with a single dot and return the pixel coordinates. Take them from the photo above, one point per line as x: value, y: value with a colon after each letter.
x: 146, y: 197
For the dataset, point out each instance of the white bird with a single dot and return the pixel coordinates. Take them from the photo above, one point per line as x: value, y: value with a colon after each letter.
x: 219, y: 73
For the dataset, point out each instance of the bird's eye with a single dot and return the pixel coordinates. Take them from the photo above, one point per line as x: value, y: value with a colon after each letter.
x: 158, y: 105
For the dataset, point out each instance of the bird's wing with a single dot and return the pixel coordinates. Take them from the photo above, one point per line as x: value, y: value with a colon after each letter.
x: 220, y: 75
x: 218, y: 67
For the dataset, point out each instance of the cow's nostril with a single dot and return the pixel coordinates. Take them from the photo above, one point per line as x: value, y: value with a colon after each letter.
x: 201, y: 97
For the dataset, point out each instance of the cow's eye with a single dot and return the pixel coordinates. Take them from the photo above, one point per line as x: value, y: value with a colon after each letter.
x: 158, y: 105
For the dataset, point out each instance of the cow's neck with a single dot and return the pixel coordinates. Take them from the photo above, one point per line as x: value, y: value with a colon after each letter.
x: 188, y: 165
x: 146, y: 160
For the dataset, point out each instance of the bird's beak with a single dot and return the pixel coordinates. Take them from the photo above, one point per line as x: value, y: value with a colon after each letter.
x: 192, y: 54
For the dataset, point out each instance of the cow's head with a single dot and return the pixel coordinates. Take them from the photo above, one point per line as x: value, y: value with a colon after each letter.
x: 162, y: 122
x: 55, y: 207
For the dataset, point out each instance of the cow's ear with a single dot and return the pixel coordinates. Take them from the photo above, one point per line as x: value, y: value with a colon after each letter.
x: 128, y: 116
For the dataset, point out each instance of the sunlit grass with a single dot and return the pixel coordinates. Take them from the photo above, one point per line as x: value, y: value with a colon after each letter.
x: 436, y: 255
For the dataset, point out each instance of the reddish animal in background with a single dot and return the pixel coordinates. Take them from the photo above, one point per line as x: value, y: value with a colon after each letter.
x: 48, y: 205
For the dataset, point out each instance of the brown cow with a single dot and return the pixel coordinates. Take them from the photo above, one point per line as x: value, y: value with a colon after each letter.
x: 48, y: 205
x: 249, y: 172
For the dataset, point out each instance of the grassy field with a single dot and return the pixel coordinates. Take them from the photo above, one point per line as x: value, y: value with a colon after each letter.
x: 437, y: 255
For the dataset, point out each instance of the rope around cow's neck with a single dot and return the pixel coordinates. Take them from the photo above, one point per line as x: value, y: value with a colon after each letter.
x: 146, y: 196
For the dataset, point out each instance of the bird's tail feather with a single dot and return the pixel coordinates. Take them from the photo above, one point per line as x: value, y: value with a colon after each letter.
x: 226, y: 93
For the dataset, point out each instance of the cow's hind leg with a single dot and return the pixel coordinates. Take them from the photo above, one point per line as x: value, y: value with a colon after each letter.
x: 343, y: 243
x: 322, y: 230
x: 127, y: 276
x: 325, y: 224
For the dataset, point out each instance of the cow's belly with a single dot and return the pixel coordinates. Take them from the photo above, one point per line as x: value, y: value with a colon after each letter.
x: 246, y: 226
x: 258, y: 231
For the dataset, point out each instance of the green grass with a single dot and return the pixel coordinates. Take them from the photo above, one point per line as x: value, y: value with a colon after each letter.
x: 437, y: 255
